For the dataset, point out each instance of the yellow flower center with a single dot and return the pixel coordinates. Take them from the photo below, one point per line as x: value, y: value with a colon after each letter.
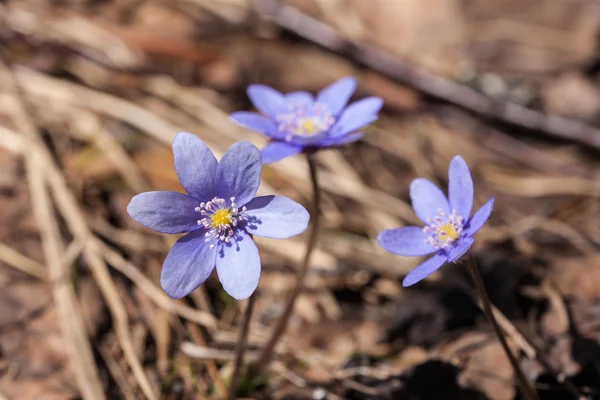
x: 220, y: 218
x: 309, y: 126
x: 304, y: 119
x: 447, y: 231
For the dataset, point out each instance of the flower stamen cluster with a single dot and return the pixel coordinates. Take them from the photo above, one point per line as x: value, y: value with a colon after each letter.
x: 443, y: 229
x: 305, y: 120
x: 219, y: 219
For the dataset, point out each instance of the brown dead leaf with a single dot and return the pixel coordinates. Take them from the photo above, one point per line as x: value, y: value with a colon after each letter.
x: 337, y: 340
x: 577, y: 278
x: 537, y: 36
x: 164, y: 21
x: 572, y: 95
x: 409, y: 358
x: 488, y: 370
x: 555, y: 321
x: 36, y: 355
x: 22, y: 301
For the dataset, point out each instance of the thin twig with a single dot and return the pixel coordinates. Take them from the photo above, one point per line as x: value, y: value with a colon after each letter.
x: 200, y: 352
x: 22, y: 263
x: 241, y: 347
x: 76, y: 340
x: 92, y: 255
x: 116, y: 372
x: 312, y: 29
x: 74, y: 217
x: 528, y: 348
x: 282, y: 322
x: 156, y: 295
x: 528, y: 391
x: 211, y: 367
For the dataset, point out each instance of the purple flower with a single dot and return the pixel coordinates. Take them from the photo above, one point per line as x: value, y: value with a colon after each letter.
x: 219, y: 215
x: 448, y: 230
x: 296, y: 121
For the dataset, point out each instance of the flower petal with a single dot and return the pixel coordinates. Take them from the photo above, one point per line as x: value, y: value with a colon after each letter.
x: 309, y: 140
x: 407, y: 241
x: 425, y: 269
x: 340, y: 140
x: 256, y: 122
x: 188, y: 264
x: 238, y: 266
x: 427, y: 199
x: 195, y: 166
x: 165, y: 212
x: 460, y: 248
x: 238, y: 173
x: 460, y: 187
x: 275, y: 217
x: 357, y: 115
x: 267, y: 100
x: 336, y: 95
x: 358, y: 123
x: 479, y: 218
x: 299, y: 98
x: 276, y: 151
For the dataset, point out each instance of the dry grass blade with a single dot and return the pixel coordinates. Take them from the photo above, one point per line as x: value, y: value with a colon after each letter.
x: 208, y: 353
x: 75, y: 219
x: 158, y: 296
x: 115, y: 151
x: 386, y: 63
x: 41, y: 85
x: 116, y: 373
x: 76, y: 340
x: 211, y: 367
x: 22, y: 263
x: 234, y: 11
x: 535, y: 186
x: 11, y: 141
x: 92, y: 256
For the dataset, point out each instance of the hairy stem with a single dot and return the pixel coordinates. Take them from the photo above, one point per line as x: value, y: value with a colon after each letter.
x: 281, y: 324
x: 241, y: 348
x: 528, y: 391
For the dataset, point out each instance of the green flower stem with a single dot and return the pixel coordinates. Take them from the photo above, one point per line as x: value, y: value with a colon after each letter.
x: 526, y: 388
x: 281, y: 324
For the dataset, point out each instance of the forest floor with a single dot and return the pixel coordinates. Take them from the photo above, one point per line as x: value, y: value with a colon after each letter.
x: 92, y: 93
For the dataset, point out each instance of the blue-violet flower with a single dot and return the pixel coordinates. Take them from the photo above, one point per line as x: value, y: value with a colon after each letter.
x: 449, y: 226
x: 296, y: 121
x: 219, y: 215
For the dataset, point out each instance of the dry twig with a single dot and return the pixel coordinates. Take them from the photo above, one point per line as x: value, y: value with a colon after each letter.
x: 76, y: 340
x: 73, y: 215
x: 292, y: 19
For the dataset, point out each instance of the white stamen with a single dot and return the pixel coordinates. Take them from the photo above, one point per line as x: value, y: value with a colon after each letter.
x: 443, y: 229
x: 305, y: 121
x: 222, y: 231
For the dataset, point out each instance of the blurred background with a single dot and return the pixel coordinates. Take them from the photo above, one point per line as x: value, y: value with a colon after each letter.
x: 92, y: 93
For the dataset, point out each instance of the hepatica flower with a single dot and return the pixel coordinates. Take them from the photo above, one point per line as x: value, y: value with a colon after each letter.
x: 219, y: 214
x: 297, y: 121
x: 449, y: 226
